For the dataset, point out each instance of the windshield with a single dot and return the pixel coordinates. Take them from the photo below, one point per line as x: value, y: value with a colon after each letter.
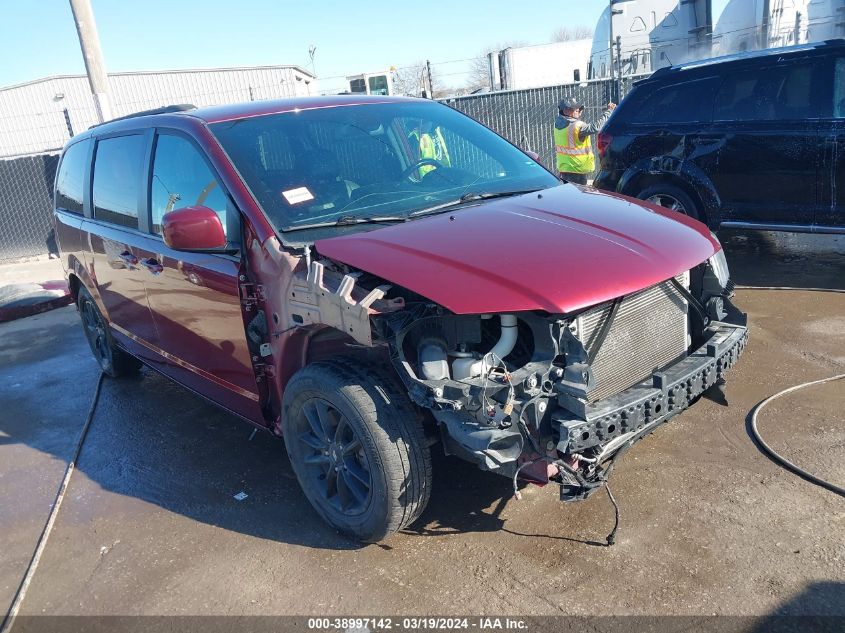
x: 371, y: 163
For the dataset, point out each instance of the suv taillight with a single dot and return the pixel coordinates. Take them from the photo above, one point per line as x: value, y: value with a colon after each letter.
x: 602, y: 143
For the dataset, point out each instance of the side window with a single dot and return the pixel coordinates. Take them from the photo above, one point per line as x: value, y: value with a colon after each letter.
x: 181, y: 178
x: 767, y: 95
x: 691, y: 101
x: 117, y: 174
x: 839, y: 89
x: 70, y: 179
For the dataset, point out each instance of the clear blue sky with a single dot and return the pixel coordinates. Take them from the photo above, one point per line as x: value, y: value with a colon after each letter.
x: 39, y: 37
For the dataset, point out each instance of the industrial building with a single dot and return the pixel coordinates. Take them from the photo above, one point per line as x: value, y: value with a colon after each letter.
x: 40, y: 115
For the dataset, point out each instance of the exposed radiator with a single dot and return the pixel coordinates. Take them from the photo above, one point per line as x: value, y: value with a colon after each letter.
x: 649, y: 332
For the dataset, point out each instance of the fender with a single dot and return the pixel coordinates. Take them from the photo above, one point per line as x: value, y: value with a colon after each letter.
x: 74, y: 241
x: 674, y: 168
x: 78, y: 271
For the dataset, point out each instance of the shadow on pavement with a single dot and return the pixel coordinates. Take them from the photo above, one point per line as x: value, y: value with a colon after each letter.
x: 155, y: 441
x: 820, y: 608
x: 761, y: 258
x: 465, y: 499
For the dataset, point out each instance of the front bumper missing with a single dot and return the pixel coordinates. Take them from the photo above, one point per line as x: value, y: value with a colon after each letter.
x: 614, y: 422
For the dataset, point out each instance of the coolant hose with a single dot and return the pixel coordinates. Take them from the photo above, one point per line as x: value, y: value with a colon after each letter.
x: 470, y: 368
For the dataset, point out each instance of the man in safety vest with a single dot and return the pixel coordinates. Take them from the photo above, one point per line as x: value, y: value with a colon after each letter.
x: 430, y: 145
x: 573, y: 149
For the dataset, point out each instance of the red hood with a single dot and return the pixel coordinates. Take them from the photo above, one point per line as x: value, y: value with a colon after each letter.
x: 560, y: 250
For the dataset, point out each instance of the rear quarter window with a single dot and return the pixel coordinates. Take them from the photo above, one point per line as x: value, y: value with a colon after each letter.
x: 70, y: 181
x: 689, y: 101
x: 117, y: 178
x: 768, y: 94
x: 839, y: 89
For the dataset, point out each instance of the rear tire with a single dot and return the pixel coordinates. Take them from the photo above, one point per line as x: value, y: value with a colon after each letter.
x: 113, y: 361
x: 357, y: 448
x: 672, y: 198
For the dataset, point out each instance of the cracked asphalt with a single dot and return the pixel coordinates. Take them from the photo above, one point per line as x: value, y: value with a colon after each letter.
x: 710, y: 525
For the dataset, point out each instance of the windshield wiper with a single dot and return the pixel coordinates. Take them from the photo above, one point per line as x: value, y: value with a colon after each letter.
x: 349, y: 220
x: 471, y: 196
x: 488, y: 195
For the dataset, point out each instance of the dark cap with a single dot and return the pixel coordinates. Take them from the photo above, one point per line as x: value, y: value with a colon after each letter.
x: 569, y: 103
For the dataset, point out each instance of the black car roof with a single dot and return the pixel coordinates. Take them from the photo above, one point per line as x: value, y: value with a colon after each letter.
x: 748, y: 56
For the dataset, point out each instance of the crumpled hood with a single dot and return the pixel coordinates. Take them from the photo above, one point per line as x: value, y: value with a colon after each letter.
x: 557, y: 250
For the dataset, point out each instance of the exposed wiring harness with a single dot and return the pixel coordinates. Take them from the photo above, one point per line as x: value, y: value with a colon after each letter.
x: 780, y: 459
x: 577, y: 479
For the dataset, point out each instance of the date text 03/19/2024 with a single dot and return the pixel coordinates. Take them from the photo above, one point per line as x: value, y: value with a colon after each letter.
x: 418, y: 623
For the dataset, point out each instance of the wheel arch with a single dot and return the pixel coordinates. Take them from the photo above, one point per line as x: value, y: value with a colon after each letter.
x: 309, y: 345
x: 78, y: 277
x: 683, y: 174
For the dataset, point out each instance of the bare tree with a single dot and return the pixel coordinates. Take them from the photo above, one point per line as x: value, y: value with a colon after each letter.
x: 568, y: 33
x: 412, y: 80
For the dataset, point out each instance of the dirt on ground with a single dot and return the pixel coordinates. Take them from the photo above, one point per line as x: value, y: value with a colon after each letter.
x: 150, y: 523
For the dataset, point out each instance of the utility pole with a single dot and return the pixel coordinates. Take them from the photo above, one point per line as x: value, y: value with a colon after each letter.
x: 767, y: 16
x: 617, y: 43
x: 612, y: 40
x: 619, y: 61
x: 428, y: 75
x: 86, y: 28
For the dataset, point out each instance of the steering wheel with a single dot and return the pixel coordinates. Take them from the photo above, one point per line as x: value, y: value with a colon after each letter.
x: 407, y: 173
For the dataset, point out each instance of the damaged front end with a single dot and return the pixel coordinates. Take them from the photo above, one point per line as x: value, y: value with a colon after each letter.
x: 559, y: 397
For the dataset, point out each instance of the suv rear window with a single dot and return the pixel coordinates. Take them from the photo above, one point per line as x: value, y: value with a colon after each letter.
x: 691, y: 101
x: 70, y: 180
x: 767, y: 94
x: 117, y: 176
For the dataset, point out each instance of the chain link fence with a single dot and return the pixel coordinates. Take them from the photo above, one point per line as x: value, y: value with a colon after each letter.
x: 26, y: 206
x: 526, y: 117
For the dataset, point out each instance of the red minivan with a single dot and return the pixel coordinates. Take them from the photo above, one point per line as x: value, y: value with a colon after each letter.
x: 366, y: 277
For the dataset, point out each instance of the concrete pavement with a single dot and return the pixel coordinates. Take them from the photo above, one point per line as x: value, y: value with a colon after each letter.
x: 150, y: 524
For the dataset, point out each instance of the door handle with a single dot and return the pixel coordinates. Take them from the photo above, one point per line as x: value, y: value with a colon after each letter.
x: 128, y: 258
x: 152, y: 265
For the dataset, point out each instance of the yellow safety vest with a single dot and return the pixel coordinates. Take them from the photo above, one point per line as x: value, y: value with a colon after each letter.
x: 574, y: 156
x: 432, y: 146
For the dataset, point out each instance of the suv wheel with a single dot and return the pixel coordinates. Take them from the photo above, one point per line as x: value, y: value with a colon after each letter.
x: 357, y: 448
x: 113, y: 361
x: 672, y: 198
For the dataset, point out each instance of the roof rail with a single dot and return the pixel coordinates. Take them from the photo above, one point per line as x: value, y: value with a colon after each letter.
x: 181, y: 107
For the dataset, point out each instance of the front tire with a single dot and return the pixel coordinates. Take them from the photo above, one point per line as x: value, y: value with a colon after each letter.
x: 357, y: 448
x: 672, y: 198
x: 113, y: 361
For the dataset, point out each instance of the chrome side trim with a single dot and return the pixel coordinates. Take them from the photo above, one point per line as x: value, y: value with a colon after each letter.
x: 186, y: 365
x: 787, y: 228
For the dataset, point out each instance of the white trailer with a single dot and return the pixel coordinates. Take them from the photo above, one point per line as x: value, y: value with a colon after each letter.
x: 522, y: 67
x: 649, y: 34
x: 641, y: 36
x: 747, y: 25
x: 377, y: 83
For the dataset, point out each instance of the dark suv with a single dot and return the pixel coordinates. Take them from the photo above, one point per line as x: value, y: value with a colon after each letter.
x: 755, y: 140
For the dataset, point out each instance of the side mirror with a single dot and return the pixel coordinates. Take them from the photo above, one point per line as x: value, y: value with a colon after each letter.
x: 533, y: 155
x: 193, y: 229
